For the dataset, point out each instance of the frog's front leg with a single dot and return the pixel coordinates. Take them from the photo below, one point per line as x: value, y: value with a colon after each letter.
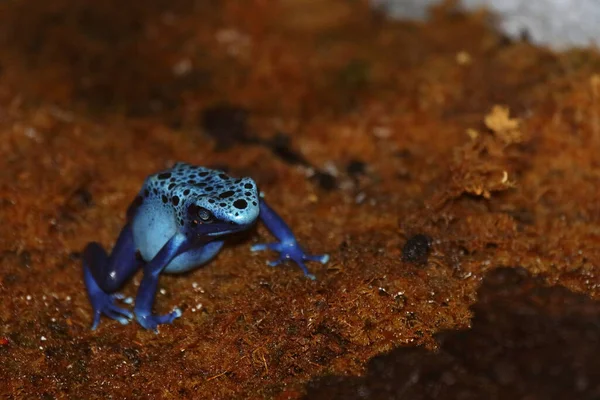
x: 147, y: 290
x: 288, y: 246
x: 104, y: 274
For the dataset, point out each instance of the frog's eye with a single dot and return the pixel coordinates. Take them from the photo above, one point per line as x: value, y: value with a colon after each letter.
x: 199, y: 215
x: 204, y: 215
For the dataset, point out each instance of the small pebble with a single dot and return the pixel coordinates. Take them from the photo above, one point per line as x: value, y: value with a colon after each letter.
x: 416, y: 249
x: 355, y: 168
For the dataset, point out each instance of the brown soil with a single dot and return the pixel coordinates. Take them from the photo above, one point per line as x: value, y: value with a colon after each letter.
x: 485, y: 147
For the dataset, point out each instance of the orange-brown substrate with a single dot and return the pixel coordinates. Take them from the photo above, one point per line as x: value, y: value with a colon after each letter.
x: 489, y: 147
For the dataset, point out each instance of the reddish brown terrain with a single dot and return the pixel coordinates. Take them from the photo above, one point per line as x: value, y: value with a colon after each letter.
x: 363, y: 132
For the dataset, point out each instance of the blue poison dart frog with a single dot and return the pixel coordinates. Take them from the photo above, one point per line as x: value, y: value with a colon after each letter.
x: 176, y: 223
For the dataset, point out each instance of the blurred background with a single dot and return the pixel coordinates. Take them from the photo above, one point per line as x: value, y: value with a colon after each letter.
x: 559, y: 24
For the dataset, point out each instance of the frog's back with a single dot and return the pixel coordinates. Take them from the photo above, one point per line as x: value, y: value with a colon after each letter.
x: 180, y: 174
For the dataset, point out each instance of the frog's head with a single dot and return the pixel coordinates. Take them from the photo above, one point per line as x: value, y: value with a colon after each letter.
x: 228, y: 205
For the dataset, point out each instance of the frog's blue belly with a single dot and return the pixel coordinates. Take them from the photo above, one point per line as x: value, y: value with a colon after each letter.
x: 194, y: 258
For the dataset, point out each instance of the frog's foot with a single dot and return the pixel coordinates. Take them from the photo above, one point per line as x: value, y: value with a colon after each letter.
x: 104, y: 303
x: 151, y: 321
x: 291, y: 251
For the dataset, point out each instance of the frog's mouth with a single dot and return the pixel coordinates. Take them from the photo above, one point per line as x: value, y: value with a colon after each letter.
x: 219, y: 228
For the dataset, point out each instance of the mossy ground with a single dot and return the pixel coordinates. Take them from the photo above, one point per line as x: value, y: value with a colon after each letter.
x: 443, y: 128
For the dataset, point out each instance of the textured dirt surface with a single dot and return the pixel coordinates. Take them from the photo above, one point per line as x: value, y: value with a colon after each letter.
x: 421, y: 157
x: 527, y: 341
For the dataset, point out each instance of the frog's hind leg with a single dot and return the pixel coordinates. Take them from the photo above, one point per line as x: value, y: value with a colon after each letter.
x: 103, y: 274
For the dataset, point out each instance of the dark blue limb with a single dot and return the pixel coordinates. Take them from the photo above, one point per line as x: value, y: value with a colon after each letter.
x: 104, y: 274
x: 147, y: 290
x: 288, y: 246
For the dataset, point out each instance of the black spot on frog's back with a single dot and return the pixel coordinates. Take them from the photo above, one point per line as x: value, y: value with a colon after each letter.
x: 226, y: 194
x: 240, y: 204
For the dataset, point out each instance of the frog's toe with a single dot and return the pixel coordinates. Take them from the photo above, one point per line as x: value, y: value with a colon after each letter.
x: 120, y: 314
x: 275, y: 263
x: 117, y: 317
x: 266, y: 246
x: 105, y: 305
x: 323, y: 258
x: 305, y: 270
x: 299, y: 262
x: 96, y: 320
x: 123, y: 298
x: 151, y: 321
